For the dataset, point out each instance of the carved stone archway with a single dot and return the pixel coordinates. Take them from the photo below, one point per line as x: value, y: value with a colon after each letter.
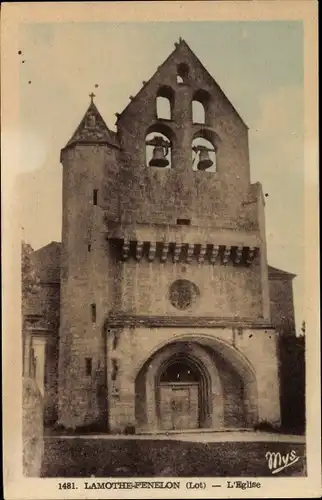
x: 148, y: 386
x: 209, y: 357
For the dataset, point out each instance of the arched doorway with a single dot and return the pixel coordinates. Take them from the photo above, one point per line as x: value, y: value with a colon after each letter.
x: 224, y: 382
x: 179, y: 396
x: 179, y: 387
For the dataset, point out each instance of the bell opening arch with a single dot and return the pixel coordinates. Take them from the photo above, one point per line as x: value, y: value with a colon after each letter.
x: 158, y: 146
x: 204, y: 150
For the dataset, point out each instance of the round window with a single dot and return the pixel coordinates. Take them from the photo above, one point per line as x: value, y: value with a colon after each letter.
x: 183, y: 294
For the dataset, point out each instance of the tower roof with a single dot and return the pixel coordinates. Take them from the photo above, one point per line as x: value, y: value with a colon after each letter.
x: 92, y: 129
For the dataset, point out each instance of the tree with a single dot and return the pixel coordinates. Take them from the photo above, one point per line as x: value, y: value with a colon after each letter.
x: 29, y: 278
x: 292, y: 381
x: 303, y: 329
x: 29, y: 287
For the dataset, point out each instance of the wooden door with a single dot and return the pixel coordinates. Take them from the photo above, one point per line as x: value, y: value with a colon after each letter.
x: 179, y: 406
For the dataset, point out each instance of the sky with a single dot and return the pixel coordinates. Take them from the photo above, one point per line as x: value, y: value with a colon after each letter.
x: 258, y: 65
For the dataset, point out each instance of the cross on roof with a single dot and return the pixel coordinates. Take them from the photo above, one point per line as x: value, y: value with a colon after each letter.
x: 92, y: 95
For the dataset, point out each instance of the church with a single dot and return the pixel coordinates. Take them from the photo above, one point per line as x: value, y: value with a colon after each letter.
x: 158, y: 311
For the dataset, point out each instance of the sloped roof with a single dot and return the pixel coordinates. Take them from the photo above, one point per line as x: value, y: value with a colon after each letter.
x: 92, y: 129
x: 47, y: 262
x: 274, y: 272
x: 179, y: 46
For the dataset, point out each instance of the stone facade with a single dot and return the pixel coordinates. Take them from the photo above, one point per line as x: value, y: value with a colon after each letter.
x: 164, y: 270
x: 281, y: 300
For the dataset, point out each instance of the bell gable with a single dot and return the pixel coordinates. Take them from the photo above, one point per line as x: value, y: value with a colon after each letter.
x: 181, y: 69
x: 184, y: 147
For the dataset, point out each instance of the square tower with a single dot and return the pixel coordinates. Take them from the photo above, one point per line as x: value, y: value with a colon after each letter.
x: 164, y: 289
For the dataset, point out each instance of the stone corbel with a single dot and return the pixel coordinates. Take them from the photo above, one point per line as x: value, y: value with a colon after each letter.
x: 239, y: 253
x: 152, y: 251
x: 139, y: 250
x: 214, y: 254
x: 251, y: 254
x: 202, y: 253
x: 190, y: 250
x: 115, y: 390
x: 164, y: 252
x: 125, y: 249
x: 177, y: 252
x: 226, y: 254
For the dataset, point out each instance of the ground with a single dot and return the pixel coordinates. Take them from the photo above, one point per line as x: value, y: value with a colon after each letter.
x: 172, y: 456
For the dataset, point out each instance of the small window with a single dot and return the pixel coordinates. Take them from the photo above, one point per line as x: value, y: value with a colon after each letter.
x: 93, y: 310
x: 89, y: 247
x: 95, y: 192
x: 114, y: 369
x: 46, y: 376
x: 33, y: 363
x: 183, y: 222
x: 88, y: 366
x: 182, y: 73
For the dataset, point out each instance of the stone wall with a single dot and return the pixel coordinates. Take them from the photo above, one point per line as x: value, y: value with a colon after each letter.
x: 233, y: 394
x: 282, y: 304
x: 80, y: 335
x: 225, y: 291
x: 151, y: 194
x: 50, y: 383
x: 44, y: 307
x: 244, y: 351
x: 32, y: 428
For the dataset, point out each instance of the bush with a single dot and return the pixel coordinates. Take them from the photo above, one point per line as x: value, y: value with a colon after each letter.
x: 92, y: 428
x: 265, y: 426
x: 292, y: 383
x: 129, y: 429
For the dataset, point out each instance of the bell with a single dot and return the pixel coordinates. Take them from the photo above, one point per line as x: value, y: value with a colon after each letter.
x: 158, y: 159
x: 204, y: 160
